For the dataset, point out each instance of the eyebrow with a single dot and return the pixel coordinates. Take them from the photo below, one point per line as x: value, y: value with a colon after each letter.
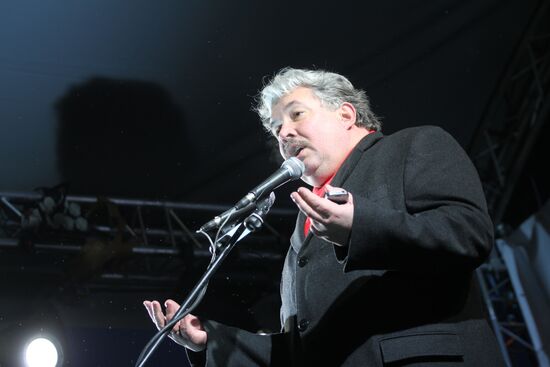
x: 290, y: 104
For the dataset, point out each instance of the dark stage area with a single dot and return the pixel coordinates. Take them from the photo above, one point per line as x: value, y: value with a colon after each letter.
x: 126, y: 125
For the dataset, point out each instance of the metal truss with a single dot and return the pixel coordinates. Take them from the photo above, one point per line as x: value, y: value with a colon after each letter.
x: 510, y: 126
x: 516, y: 114
x: 505, y: 313
x: 113, y: 243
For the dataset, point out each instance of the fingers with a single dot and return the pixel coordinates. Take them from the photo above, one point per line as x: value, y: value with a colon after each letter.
x: 188, y: 332
x: 329, y: 221
x: 149, y: 308
x: 310, y: 204
x: 155, y: 312
x: 171, y: 309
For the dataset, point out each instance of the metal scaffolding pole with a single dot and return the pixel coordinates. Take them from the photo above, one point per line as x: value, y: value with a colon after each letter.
x: 146, y: 239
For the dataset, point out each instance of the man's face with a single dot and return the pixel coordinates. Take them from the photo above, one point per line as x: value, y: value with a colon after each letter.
x: 311, y: 132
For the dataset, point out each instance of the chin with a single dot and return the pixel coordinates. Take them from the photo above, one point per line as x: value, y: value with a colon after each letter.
x: 309, y: 176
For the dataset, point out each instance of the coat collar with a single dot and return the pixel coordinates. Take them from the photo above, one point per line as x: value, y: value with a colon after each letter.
x: 352, y: 160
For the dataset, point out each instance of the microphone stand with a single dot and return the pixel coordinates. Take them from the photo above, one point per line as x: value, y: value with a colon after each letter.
x: 195, y: 296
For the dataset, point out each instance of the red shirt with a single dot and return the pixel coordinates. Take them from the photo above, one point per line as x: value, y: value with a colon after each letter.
x: 319, y: 191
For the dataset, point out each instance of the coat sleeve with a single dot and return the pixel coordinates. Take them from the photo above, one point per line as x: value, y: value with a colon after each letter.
x: 232, y: 347
x: 443, y: 224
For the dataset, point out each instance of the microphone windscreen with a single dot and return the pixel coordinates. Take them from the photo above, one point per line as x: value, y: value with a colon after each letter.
x: 295, y: 167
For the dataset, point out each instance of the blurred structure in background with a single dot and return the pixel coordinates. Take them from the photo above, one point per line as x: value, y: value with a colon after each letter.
x: 121, y: 138
x: 510, y: 152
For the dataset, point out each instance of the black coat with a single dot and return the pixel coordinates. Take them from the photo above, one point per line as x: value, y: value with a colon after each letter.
x: 402, y: 291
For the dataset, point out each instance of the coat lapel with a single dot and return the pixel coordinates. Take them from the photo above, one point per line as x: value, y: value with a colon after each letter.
x: 349, y: 164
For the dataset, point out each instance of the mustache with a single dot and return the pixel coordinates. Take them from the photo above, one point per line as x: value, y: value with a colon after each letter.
x: 291, y: 146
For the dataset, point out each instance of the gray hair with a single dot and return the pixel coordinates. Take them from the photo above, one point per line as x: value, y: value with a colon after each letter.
x: 332, y: 90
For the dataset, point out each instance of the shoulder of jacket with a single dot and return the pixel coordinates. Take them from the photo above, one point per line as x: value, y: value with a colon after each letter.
x: 424, y: 129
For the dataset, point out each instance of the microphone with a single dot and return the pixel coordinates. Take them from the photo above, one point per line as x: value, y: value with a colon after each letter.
x: 291, y: 169
x: 255, y: 220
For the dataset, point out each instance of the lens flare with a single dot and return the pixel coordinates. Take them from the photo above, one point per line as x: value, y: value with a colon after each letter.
x: 41, y: 352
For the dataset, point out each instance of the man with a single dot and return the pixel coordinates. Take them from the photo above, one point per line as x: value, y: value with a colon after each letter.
x: 385, y: 278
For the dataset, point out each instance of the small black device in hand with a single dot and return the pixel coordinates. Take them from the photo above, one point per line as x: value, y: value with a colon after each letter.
x: 339, y: 196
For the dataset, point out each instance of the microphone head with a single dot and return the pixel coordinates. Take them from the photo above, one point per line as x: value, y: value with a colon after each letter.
x: 295, y: 167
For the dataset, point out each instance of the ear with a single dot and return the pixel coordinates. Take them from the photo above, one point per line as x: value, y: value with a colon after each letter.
x: 348, y: 115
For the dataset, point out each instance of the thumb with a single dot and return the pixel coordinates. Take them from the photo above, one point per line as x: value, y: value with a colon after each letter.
x: 194, y: 329
x: 192, y: 323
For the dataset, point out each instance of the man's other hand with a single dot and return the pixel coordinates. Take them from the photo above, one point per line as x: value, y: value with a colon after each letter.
x: 187, y: 332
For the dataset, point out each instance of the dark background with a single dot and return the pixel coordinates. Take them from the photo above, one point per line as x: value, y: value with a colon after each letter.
x: 152, y: 100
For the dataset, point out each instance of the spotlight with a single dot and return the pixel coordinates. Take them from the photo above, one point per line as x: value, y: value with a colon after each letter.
x: 43, y: 352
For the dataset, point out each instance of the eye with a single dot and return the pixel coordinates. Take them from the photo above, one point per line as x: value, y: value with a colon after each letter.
x: 296, y: 114
x: 275, y: 129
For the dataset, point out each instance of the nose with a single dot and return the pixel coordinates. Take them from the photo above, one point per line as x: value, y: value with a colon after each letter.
x: 286, y: 130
